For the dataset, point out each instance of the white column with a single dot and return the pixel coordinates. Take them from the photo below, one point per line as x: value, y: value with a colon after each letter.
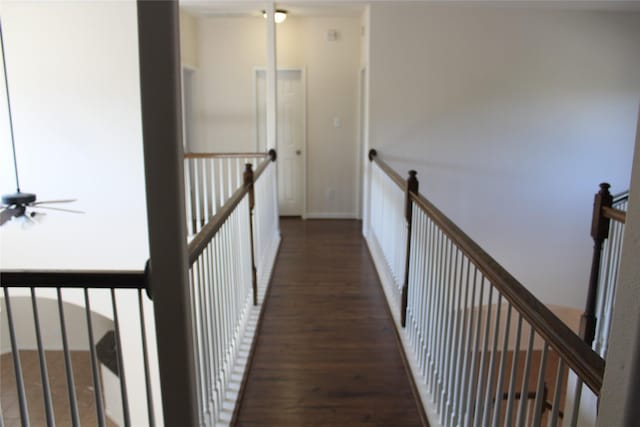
x: 272, y: 80
x: 366, y: 169
x: 621, y: 388
x: 162, y: 138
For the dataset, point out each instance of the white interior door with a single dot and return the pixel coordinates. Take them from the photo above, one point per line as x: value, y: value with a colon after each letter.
x: 291, y: 137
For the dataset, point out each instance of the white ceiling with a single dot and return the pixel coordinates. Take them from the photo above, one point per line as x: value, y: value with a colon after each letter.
x: 356, y: 7
x: 252, y: 8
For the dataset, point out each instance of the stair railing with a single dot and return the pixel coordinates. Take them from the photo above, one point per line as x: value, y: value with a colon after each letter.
x: 210, y: 179
x: 482, y: 349
x: 53, y: 315
x: 231, y: 257
x: 607, y: 231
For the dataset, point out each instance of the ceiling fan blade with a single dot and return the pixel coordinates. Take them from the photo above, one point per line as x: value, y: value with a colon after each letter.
x: 7, y: 214
x: 60, y: 209
x: 52, y: 201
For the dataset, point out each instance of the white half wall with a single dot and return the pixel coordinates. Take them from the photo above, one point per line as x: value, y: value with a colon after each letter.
x: 512, y: 116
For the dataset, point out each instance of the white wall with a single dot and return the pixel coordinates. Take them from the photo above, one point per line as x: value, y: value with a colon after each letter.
x: 228, y: 51
x: 230, y: 48
x: 332, y: 70
x: 511, y: 116
x: 188, y: 39
x: 75, y: 97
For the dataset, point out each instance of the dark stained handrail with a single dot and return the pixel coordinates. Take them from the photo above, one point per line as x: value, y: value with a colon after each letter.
x: 585, y: 362
x: 262, y: 166
x: 204, y: 236
x: 614, y: 214
x: 119, y: 279
x: 395, y: 177
x: 224, y: 155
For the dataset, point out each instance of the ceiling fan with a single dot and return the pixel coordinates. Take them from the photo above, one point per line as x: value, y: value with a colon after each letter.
x: 19, y: 204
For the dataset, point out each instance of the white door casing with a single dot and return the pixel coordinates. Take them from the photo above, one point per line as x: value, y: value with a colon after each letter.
x: 291, y: 136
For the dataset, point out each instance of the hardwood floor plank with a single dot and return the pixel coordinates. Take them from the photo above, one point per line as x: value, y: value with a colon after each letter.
x: 326, y: 352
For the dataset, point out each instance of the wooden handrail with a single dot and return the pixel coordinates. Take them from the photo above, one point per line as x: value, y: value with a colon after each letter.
x: 129, y: 279
x: 395, y: 177
x: 614, y: 214
x: 585, y: 362
x: 204, y: 236
x: 224, y: 155
x: 262, y: 166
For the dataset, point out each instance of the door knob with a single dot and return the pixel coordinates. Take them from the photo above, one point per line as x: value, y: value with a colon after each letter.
x: 298, y: 152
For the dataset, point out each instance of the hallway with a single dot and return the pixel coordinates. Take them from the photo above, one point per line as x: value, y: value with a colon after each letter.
x: 326, y: 352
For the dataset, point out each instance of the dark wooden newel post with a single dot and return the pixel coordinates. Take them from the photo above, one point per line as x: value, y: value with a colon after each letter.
x: 248, y: 181
x: 599, y: 232
x: 412, y: 187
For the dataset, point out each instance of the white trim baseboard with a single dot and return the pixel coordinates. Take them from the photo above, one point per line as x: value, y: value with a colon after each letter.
x: 331, y: 215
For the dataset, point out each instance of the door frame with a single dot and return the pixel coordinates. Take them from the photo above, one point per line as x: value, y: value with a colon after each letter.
x: 303, y: 78
x: 361, y: 144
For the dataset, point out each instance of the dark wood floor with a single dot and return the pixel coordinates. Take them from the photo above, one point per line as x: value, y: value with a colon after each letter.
x: 326, y: 353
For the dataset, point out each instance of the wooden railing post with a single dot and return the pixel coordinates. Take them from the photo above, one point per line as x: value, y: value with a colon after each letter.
x: 248, y: 181
x: 599, y: 232
x: 412, y: 187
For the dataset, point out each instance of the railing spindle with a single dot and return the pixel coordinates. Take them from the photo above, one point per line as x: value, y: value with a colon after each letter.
x: 120, y: 360
x: 514, y: 372
x: 461, y: 343
x: 557, y: 390
x: 473, y: 382
x: 71, y: 387
x: 145, y: 361
x: 541, y: 389
x: 46, y: 389
x: 469, y: 349
x: 97, y: 384
x: 498, y: 397
x: 480, y: 392
x: 577, y: 397
x: 522, y: 409
x: 452, y: 333
x: 489, y: 395
x: 17, y: 366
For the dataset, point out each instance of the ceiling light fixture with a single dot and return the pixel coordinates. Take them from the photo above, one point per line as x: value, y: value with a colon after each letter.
x: 279, y: 16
